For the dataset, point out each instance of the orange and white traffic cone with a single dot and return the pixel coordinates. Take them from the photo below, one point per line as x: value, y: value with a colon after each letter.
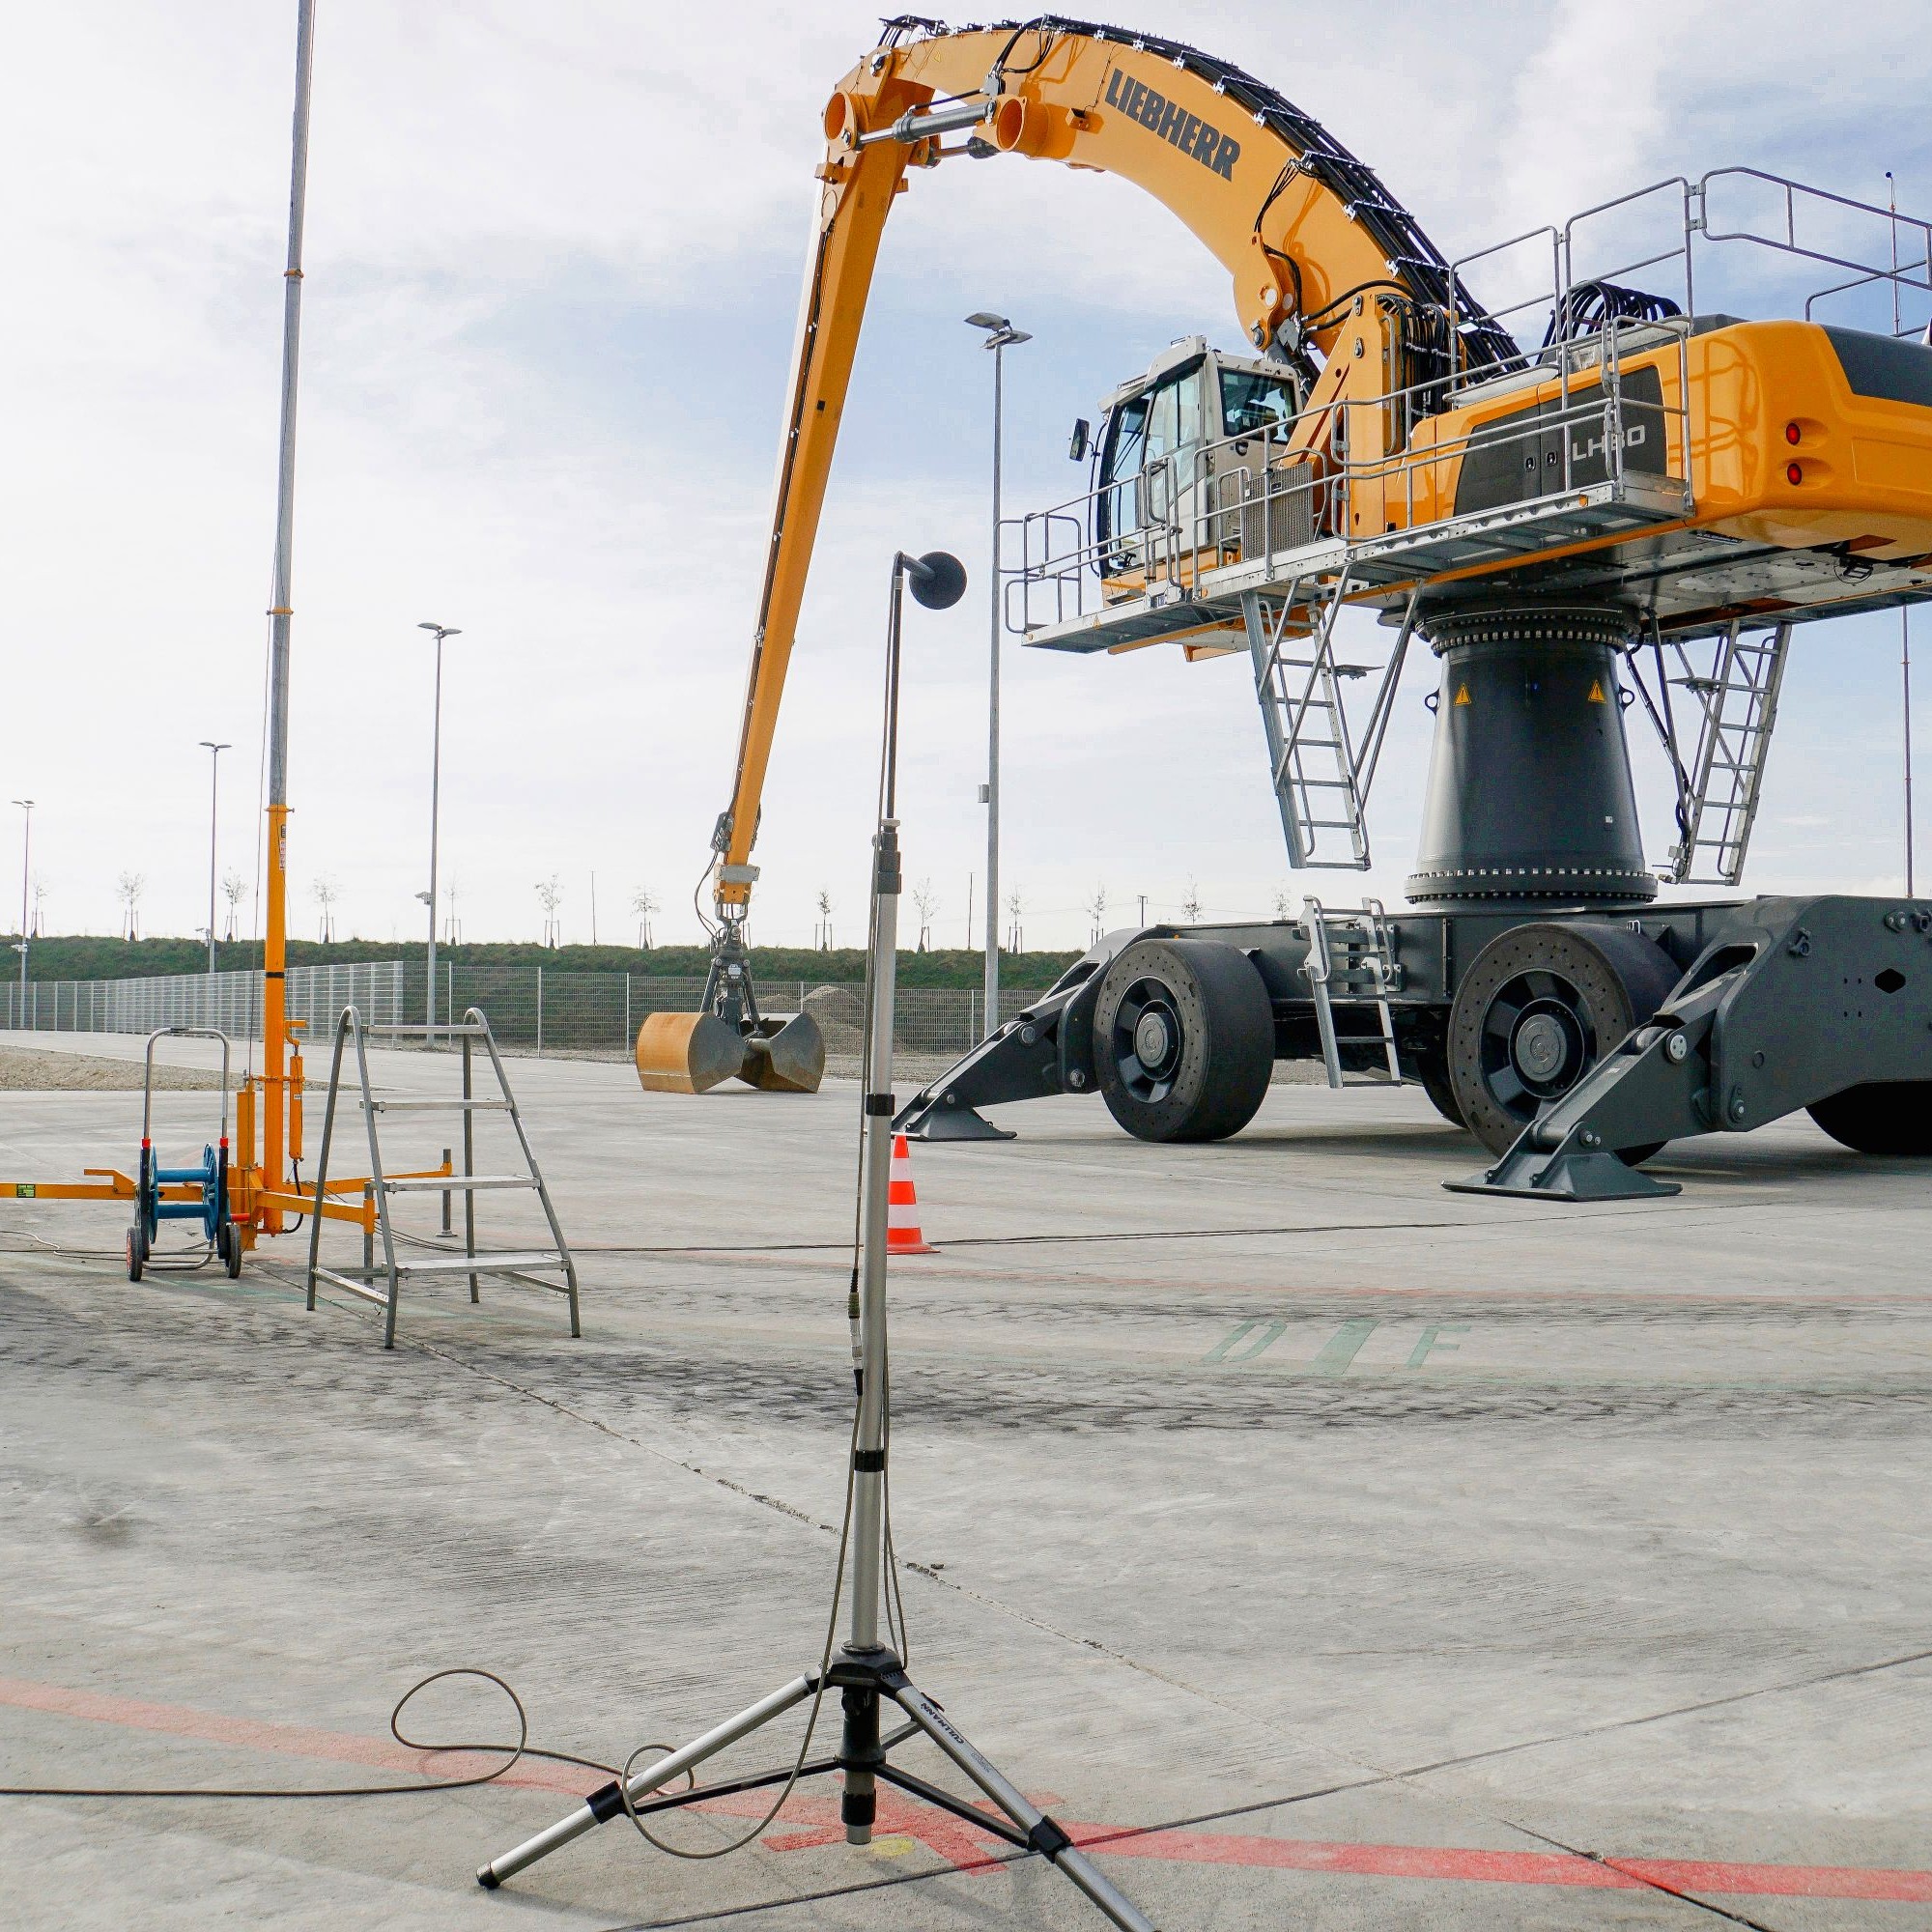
x: 902, y: 1229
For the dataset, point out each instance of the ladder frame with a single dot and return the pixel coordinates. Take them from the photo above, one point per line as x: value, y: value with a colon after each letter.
x: 1375, y: 943
x: 515, y: 1265
x: 1737, y: 713
x: 1286, y: 712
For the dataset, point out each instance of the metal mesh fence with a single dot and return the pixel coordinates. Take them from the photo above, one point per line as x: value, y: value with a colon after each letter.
x: 531, y: 1008
x: 231, y: 1001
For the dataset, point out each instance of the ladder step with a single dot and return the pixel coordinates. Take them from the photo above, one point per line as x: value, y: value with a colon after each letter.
x: 457, y: 1183
x: 428, y: 1105
x: 502, y: 1262
x: 379, y: 1297
x: 420, y: 1030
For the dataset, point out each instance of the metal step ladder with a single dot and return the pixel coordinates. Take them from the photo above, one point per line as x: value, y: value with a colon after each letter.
x: 1320, y: 772
x: 380, y: 1282
x: 1351, y: 957
x: 1738, y: 709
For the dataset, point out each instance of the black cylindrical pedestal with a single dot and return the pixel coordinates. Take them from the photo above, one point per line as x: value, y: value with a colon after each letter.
x: 1530, y: 781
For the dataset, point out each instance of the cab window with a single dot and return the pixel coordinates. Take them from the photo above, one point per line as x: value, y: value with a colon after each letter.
x: 1254, y: 404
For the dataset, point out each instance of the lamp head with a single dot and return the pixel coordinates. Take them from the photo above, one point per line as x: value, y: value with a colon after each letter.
x: 938, y: 578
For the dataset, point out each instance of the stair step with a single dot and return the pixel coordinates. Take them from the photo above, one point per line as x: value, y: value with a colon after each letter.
x: 457, y: 1183
x: 430, y: 1105
x: 502, y: 1262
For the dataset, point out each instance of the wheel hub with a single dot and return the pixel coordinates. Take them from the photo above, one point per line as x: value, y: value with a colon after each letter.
x: 1147, y: 1039
x: 1538, y: 1039
x: 1153, y: 1041
x: 1540, y: 1046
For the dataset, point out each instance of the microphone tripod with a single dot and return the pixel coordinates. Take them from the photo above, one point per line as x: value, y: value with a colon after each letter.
x: 865, y: 1672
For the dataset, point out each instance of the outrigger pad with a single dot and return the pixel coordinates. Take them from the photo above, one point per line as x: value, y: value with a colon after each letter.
x: 789, y: 1060
x: 1595, y: 1176
x: 687, y: 1052
x: 947, y: 1118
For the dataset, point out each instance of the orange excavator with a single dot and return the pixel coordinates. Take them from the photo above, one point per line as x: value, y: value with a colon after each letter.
x: 1637, y: 510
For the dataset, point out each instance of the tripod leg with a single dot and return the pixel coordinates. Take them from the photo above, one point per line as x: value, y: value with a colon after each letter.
x: 609, y: 1803
x: 1043, y: 1834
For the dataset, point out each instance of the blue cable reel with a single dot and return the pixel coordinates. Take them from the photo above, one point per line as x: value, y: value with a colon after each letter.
x: 209, y: 1210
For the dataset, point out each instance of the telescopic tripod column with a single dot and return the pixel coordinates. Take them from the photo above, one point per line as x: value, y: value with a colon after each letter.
x: 865, y: 1671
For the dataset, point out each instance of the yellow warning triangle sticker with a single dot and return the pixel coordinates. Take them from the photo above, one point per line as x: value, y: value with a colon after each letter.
x: 1596, y: 691
x: 1463, y: 695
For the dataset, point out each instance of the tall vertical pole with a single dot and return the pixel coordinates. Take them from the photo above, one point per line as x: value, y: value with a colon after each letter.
x: 992, y: 1012
x: 435, y: 819
x: 1905, y: 679
x: 26, y: 805
x: 213, y: 822
x: 274, y: 951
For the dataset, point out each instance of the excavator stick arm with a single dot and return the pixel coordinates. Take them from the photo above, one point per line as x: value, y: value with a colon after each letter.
x: 1317, y: 252
x: 1306, y: 232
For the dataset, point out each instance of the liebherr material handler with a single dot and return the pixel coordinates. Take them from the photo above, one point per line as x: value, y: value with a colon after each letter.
x: 1636, y: 512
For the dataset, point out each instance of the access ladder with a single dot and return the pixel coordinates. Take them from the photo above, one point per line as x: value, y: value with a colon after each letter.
x: 1738, y: 708
x: 1352, y: 954
x: 382, y: 1282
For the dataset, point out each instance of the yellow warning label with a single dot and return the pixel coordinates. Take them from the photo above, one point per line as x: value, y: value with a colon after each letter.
x: 1463, y: 695
x: 1596, y: 691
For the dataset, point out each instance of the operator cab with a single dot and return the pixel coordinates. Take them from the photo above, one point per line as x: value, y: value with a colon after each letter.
x: 1174, y: 451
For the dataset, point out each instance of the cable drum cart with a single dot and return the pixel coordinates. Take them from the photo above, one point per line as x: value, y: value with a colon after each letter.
x: 210, y: 1209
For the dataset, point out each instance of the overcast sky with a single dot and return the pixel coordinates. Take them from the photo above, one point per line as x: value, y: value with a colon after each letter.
x: 552, y: 277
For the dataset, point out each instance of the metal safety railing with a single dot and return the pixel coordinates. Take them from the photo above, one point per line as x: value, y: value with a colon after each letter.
x: 1377, y: 469
x: 1251, y: 499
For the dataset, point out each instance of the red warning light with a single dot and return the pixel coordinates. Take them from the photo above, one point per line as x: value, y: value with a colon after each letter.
x: 1791, y: 432
x: 1794, y: 473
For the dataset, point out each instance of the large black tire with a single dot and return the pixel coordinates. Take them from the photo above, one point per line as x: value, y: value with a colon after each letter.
x: 1538, y: 1007
x: 1183, y: 1039
x: 1428, y: 1068
x: 1886, y: 1117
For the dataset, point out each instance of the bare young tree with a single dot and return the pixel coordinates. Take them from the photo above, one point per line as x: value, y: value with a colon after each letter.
x: 1015, y: 932
x: 644, y: 903
x: 822, y: 936
x: 233, y: 889
x: 1284, y: 906
x: 549, y: 896
x: 926, y: 904
x: 40, y: 914
x: 129, y: 887
x: 1190, y: 906
x: 452, y: 925
x: 325, y: 895
x: 1097, y: 915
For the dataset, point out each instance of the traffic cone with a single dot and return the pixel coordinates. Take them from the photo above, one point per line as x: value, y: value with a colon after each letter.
x: 902, y: 1230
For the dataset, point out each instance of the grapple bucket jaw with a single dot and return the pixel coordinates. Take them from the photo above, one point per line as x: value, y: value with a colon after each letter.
x: 784, y: 1054
x: 687, y: 1053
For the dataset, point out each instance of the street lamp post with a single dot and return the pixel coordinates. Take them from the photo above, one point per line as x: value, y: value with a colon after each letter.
x: 213, y: 796
x: 442, y: 631
x: 1001, y: 335
x: 26, y: 805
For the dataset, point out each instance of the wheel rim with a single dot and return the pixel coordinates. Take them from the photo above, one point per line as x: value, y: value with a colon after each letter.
x: 1538, y: 1040
x: 1147, y: 1040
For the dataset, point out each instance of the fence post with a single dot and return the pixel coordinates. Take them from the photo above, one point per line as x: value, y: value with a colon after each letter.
x: 628, y: 1036
x: 539, y: 1012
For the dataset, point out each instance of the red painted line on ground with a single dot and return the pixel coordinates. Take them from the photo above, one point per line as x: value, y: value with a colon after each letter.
x: 213, y: 1727
x: 967, y: 1849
